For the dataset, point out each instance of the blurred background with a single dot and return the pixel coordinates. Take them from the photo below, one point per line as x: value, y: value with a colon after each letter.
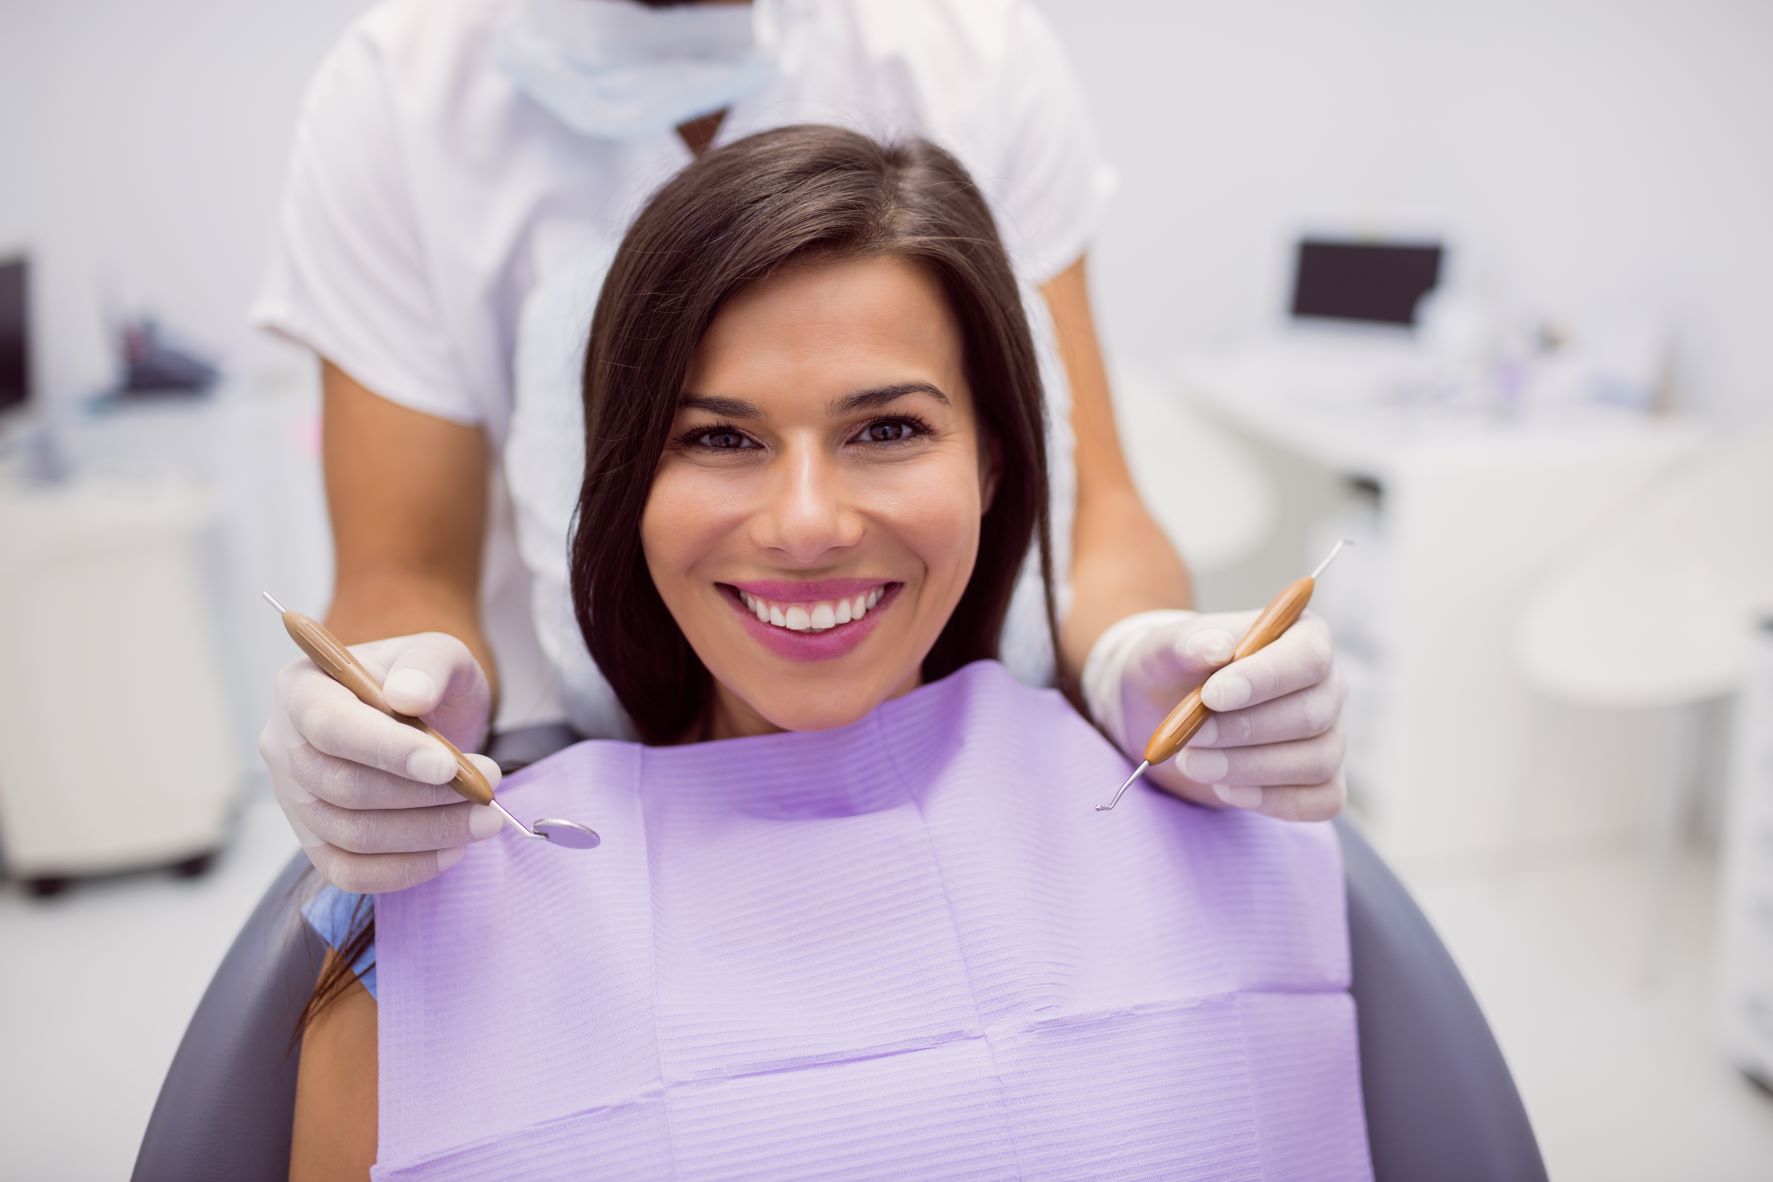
x: 1486, y: 288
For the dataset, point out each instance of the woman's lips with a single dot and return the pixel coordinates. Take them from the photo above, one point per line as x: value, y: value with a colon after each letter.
x: 805, y: 643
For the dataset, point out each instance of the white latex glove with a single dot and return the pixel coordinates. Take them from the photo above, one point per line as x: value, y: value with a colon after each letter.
x: 1273, y: 744
x: 367, y: 796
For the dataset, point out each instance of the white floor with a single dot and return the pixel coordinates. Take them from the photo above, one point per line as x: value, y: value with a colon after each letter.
x: 1619, y: 1069
x: 1620, y: 1076
x: 99, y: 984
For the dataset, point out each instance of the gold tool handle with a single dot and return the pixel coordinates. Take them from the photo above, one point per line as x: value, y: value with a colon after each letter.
x: 1190, y: 714
x: 338, y: 663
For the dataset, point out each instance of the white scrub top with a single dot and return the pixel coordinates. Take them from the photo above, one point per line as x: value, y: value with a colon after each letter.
x: 443, y: 238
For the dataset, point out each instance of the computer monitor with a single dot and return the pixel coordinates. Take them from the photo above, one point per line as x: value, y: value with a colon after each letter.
x: 15, y: 334
x: 1367, y: 282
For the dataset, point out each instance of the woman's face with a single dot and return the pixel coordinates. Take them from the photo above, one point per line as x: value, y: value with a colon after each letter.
x: 815, y: 516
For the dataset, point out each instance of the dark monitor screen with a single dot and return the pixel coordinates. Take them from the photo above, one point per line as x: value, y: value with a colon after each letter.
x: 15, y: 337
x: 1378, y: 283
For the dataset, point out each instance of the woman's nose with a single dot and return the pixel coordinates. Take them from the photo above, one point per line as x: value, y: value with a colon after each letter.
x: 806, y: 513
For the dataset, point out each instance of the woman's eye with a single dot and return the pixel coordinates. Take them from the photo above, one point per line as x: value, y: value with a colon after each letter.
x: 889, y: 431
x: 721, y: 439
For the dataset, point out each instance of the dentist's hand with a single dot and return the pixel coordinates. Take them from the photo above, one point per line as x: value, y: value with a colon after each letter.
x: 1273, y: 744
x: 369, y: 797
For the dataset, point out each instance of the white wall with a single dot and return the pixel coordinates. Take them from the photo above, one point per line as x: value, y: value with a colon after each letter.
x: 1583, y: 151
x: 1579, y: 148
x: 142, y: 148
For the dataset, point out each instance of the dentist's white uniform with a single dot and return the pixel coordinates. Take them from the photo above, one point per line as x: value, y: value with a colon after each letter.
x: 450, y: 215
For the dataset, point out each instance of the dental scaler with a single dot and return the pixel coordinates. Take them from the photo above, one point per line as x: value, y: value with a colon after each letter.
x: 1190, y: 714
x: 338, y: 663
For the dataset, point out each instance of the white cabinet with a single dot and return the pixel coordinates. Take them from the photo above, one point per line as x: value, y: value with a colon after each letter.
x: 1745, y: 913
x: 115, y: 741
x: 1458, y: 512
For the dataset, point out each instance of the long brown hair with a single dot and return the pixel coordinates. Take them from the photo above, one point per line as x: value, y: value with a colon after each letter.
x: 735, y: 215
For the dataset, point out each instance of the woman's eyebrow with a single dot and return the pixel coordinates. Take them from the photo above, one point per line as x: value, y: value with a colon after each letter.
x: 873, y: 399
x: 732, y: 408
x: 738, y: 408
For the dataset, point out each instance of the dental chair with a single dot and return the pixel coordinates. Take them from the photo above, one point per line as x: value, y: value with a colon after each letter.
x: 1440, y: 1103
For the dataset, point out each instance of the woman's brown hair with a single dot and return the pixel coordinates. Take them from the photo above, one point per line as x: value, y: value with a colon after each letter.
x: 734, y: 216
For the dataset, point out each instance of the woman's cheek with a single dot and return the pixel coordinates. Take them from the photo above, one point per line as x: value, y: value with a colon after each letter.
x: 688, y: 511
x: 936, y: 511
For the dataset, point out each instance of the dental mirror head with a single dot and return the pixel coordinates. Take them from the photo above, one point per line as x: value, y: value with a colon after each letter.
x: 566, y: 834
x: 570, y: 834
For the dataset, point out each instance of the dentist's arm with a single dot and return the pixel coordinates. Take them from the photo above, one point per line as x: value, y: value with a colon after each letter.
x: 1121, y: 560
x: 368, y: 796
x: 407, y: 493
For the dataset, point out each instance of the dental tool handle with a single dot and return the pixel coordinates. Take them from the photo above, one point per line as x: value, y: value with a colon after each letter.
x: 338, y: 663
x: 1190, y: 714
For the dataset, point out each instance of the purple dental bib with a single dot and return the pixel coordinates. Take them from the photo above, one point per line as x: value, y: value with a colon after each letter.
x: 905, y: 949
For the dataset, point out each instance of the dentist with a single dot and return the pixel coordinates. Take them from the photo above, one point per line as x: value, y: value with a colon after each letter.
x: 461, y: 174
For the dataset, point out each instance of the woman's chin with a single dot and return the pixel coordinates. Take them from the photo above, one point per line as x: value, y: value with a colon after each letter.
x: 805, y: 697
x: 816, y: 714
x: 813, y: 707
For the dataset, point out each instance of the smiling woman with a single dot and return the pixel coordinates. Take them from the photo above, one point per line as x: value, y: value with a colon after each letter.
x: 853, y: 915
x: 860, y: 418
x: 842, y: 479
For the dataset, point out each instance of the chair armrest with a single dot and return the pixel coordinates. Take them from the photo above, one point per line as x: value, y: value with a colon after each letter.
x: 1439, y: 1098
x: 226, y: 1105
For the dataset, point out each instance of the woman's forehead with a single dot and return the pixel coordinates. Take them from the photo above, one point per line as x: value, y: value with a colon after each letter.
x: 823, y: 328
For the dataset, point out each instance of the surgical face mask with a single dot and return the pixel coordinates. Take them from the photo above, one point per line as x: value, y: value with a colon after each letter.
x: 617, y: 69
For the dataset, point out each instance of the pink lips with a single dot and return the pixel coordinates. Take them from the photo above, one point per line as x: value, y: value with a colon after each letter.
x: 810, y: 646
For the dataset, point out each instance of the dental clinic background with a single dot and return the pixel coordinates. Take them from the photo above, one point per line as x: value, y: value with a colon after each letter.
x: 1556, y: 623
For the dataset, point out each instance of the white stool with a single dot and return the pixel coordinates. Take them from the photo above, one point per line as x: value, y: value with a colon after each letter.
x: 1656, y: 612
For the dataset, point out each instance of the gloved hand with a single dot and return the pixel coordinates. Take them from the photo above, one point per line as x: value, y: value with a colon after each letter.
x: 369, y: 797
x: 1273, y: 744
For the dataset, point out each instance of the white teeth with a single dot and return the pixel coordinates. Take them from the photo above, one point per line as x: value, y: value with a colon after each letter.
x: 812, y: 617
